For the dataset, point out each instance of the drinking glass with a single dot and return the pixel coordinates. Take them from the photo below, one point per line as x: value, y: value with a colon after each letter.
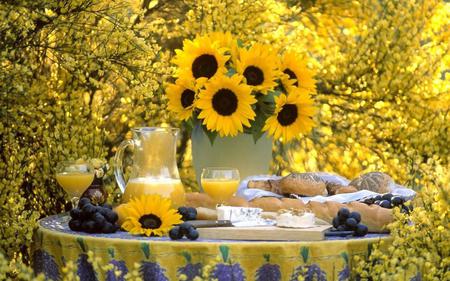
x: 74, y: 177
x: 220, y: 182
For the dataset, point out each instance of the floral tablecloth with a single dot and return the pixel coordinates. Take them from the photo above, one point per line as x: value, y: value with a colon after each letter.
x: 162, y: 259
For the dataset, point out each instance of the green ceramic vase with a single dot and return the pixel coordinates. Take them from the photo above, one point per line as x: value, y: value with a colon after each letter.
x: 239, y: 152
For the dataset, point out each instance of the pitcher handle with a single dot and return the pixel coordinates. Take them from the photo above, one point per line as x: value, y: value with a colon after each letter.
x: 118, y: 167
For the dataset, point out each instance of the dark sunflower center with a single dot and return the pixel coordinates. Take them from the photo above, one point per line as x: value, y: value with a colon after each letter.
x: 291, y: 76
x: 204, y: 66
x: 187, y: 98
x: 150, y: 221
x: 287, y: 115
x: 254, y: 75
x: 225, y: 102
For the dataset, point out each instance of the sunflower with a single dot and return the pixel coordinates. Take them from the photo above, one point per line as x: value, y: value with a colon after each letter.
x: 292, y: 116
x: 259, y: 67
x: 225, y: 40
x: 181, y: 98
x: 150, y: 215
x: 225, y: 105
x: 200, y: 58
x: 296, y: 74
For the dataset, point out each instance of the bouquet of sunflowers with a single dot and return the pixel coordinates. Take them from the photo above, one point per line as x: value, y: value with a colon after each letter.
x: 229, y: 87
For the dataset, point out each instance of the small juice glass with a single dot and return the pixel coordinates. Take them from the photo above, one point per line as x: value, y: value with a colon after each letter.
x: 74, y: 177
x: 220, y: 183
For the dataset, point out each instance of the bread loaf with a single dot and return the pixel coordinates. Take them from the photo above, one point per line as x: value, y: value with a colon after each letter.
x: 374, y: 181
x: 375, y: 217
x: 346, y: 189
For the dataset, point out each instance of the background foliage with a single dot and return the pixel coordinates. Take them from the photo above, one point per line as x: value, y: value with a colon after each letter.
x: 78, y: 74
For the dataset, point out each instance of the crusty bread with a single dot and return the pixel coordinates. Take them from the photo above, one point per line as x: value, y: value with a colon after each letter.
x: 206, y: 213
x: 346, y: 189
x: 237, y: 202
x: 374, y: 181
x: 196, y: 199
x: 306, y: 184
x: 290, y: 203
x: 375, y: 217
x: 269, y: 204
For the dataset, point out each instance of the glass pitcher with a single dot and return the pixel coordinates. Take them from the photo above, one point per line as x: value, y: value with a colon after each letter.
x: 154, y: 169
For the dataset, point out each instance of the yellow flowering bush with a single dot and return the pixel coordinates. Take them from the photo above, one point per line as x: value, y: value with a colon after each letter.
x: 78, y: 74
x: 421, y: 241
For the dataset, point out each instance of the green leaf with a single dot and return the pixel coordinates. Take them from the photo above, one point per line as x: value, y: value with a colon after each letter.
x: 224, y: 250
x: 266, y: 257
x: 80, y: 242
x: 111, y: 252
x: 304, y: 252
x: 145, y: 249
x: 187, y: 256
x: 231, y: 71
x: 344, y: 255
x: 240, y: 43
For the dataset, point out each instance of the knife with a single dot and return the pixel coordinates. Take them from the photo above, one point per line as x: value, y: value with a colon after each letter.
x: 210, y: 223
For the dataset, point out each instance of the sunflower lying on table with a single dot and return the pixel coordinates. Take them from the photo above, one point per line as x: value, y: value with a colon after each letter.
x: 227, y: 88
x: 150, y: 215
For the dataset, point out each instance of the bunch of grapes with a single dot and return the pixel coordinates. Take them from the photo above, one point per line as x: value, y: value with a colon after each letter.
x: 187, y: 213
x: 184, y: 229
x: 389, y: 201
x: 93, y: 219
x: 349, y: 221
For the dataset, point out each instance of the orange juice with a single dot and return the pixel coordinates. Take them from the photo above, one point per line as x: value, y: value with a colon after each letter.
x: 75, y: 183
x: 220, y: 189
x: 169, y: 188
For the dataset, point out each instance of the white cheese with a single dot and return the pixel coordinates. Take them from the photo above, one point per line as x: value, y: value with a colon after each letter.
x: 235, y: 214
x: 296, y: 221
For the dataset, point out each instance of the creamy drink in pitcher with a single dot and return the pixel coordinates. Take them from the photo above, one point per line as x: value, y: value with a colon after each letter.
x: 169, y: 188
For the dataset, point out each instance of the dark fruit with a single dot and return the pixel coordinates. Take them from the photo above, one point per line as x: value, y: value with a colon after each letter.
x: 192, y: 214
x: 185, y: 227
x: 356, y: 216
x: 83, y: 201
x: 343, y: 213
x: 89, y: 209
x: 385, y: 204
x: 336, y: 222
x: 192, y: 234
x: 369, y: 201
x: 88, y: 226
x: 184, y: 212
x: 111, y: 216
x: 75, y: 213
x: 361, y: 230
x: 341, y: 227
x: 387, y: 196
x: 378, y: 198
x: 351, y: 223
x: 175, y: 233
x: 108, y: 228
x: 397, y: 201
x: 99, y: 219
x: 75, y: 225
x: 107, y: 206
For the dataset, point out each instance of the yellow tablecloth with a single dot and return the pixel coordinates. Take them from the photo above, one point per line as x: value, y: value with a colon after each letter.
x: 162, y: 259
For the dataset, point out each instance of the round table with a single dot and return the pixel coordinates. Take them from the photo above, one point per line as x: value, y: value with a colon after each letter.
x: 159, y: 258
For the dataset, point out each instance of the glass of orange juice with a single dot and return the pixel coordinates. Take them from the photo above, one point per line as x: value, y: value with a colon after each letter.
x: 74, y: 177
x: 220, y: 183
